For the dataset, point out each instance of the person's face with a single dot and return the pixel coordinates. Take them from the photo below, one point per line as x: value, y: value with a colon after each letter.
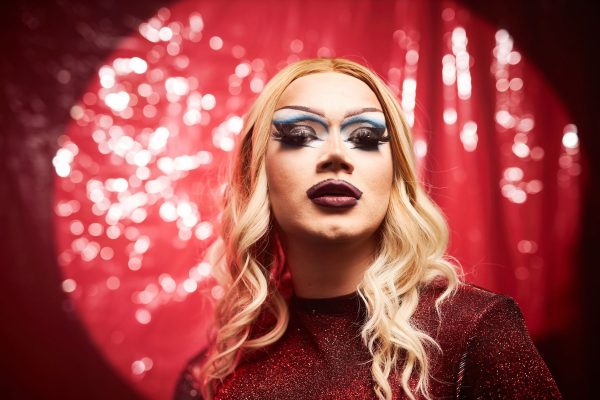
x: 328, y: 126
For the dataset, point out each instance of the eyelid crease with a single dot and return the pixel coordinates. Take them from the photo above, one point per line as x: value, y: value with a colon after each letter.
x: 359, y: 119
x: 352, y: 119
x: 300, y: 118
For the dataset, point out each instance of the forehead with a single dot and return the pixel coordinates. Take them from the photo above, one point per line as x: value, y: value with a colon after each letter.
x: 332, y: 92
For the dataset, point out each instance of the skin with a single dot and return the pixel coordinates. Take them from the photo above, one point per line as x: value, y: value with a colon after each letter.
x: 328, y: 249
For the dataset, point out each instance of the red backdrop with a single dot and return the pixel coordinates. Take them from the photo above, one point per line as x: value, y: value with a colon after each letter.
x: 137, y: 169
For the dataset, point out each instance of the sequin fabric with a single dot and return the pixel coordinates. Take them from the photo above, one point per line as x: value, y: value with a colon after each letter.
x: 487, y: 353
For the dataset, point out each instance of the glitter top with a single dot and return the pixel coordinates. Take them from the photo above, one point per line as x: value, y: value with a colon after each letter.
x: 487, y: 353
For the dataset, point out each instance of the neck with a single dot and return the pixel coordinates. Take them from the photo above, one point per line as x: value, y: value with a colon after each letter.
x: 322, y: 269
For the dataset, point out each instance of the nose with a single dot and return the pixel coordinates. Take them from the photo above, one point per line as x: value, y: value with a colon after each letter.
x: 335, y: 156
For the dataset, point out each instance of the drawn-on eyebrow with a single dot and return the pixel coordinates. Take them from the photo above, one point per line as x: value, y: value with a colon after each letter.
x: 348, y: 115
x: 302, y: 108
x: 360, y: 111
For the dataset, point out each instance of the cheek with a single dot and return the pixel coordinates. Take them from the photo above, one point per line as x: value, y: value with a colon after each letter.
x: 378, y: 175
x: 378, y: 172
x: 287, y: 181
x: 284, y: 178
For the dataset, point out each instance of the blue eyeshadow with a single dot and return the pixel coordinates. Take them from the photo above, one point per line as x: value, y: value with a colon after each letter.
x: 360, y: 118
x: 298, y: 118
x: 377, y: 123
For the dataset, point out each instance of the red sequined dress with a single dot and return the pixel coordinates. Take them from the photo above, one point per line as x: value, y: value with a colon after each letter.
x: 487, y: 353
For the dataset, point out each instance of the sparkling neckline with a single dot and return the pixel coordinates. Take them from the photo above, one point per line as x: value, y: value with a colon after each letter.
x: 345, y: 304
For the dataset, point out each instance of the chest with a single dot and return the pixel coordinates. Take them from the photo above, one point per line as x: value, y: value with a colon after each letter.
x: 320, y: 360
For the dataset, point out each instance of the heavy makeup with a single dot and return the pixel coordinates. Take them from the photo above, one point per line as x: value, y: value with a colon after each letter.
x: 329, y: 176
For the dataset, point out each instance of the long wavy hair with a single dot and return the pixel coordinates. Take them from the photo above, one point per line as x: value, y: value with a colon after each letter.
x: 250, y: 265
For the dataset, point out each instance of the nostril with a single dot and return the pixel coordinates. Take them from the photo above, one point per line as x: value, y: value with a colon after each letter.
x: 335, y: 160
x: 327, y: 165
x: 345, y: 166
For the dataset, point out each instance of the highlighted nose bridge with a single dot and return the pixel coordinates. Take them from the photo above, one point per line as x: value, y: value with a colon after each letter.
x: 335, y: 153
x: 334, y: 137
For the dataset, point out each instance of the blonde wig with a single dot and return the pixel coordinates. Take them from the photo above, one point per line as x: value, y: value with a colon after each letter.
x: 249, y: 265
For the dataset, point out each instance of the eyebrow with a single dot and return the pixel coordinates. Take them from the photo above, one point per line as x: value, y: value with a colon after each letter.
x: 320, y: 113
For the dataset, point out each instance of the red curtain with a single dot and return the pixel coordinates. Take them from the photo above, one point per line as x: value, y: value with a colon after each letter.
x: 138, y: 167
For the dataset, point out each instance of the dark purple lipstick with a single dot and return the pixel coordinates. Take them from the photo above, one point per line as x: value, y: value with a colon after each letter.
x: 334, y: 193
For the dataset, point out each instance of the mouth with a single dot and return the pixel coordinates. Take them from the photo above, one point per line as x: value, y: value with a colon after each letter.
x: 334, y: 193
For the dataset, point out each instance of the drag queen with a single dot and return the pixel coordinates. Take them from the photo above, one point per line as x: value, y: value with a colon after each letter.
x: 333, y: 261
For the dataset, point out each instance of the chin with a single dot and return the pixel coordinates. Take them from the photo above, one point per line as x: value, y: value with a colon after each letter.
x: 323, y: 230
x: 335, y: 234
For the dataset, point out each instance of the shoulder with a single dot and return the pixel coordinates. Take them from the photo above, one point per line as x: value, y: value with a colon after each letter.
x: 474, y: 301
x: 487, y: 343
x: 468, y: 312
x: 498, y: 358
x: 186, y: 387
x: 467, y: 305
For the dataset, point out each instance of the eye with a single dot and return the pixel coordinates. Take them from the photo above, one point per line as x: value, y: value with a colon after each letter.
x: 368, y: 137
x: 293, y: 134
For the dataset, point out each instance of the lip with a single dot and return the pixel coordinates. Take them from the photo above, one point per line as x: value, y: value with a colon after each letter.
x: 334, y: 193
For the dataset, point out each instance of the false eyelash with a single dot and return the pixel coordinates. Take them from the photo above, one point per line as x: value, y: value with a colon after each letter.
x: 284, y: 135
x: 370, y: 142
x: 284, y: 132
